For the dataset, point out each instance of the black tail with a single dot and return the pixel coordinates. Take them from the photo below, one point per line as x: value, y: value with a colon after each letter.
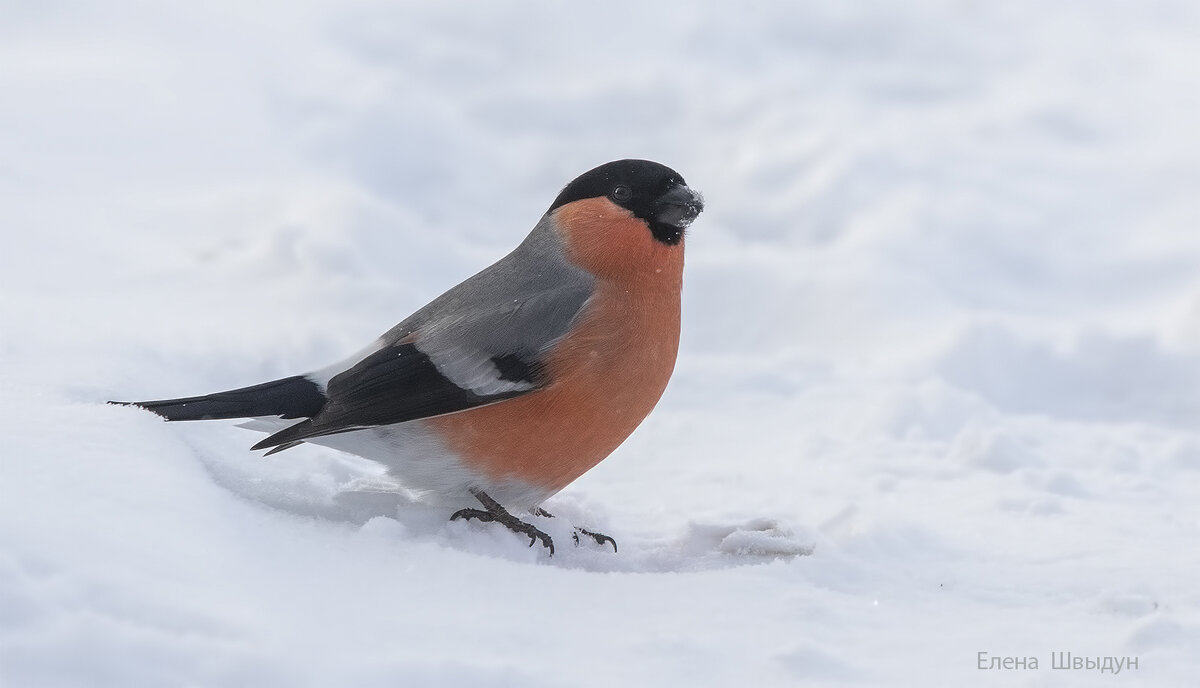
x: 291, y: 397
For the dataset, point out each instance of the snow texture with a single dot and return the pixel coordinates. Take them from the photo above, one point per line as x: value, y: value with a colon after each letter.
x: 939, y: 387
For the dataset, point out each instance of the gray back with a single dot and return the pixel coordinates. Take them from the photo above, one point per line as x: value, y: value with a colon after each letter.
x: 520, y: 305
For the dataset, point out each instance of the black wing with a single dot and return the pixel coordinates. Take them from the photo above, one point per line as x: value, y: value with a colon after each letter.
x: 400, y: 383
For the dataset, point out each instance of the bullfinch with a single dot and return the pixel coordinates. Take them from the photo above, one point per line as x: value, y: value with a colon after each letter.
x: 512, y: 384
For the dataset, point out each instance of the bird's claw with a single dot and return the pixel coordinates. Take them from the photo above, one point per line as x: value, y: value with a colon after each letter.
x: 496, y: 513
x: 600, y: 538
x: 469, y: 514
x: 536, y: 535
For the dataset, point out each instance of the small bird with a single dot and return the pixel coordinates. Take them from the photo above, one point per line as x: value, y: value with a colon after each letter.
x: 517, y: 381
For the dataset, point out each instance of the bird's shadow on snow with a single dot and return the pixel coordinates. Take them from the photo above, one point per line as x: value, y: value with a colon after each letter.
x: 340, y: 489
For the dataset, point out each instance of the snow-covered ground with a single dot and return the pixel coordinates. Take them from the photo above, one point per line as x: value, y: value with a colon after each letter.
x: 939, y: 387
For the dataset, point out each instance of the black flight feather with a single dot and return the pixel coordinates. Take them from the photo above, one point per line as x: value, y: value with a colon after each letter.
x: 291, y: 397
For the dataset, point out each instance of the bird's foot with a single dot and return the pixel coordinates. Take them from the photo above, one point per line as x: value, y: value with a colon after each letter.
x: 493, y: 512
x: 600, y: 538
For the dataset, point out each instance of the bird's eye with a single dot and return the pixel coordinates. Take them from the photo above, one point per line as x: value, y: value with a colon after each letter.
x: 622, y: 193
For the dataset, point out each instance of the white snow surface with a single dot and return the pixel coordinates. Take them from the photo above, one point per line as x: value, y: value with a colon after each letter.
x: 939, y: 386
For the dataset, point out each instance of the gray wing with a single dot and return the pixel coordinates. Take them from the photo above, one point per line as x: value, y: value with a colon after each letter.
x: 481, y: 342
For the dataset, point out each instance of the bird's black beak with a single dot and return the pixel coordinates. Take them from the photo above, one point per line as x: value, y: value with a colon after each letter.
x: 678, y: 207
